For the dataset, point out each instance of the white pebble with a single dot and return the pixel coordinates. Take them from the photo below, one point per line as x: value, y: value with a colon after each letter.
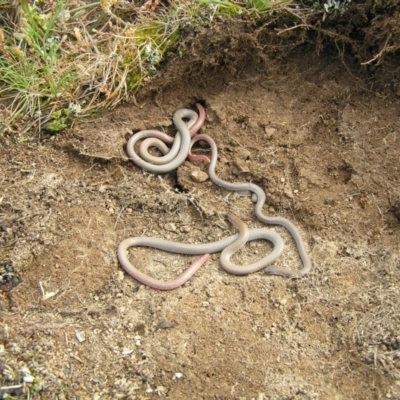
x: 199, y: 176
x: 28, y: 379
x: 288, y: 193
x: 80, y: 336
x: 170, y: 226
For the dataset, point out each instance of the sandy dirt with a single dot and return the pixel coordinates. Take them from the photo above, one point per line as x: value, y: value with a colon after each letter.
x: 323, y: 145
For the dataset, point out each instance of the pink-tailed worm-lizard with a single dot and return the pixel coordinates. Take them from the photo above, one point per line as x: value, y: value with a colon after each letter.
x: 229, y: 245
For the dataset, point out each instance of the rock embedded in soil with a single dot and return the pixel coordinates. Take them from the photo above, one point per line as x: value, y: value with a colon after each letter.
x: 170, y: 227
x: 199, y: 176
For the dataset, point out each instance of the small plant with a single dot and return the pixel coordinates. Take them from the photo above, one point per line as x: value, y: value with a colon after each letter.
x: 59, y: 120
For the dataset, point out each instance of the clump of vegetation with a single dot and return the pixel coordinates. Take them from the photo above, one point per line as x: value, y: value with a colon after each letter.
x: 59, y: 60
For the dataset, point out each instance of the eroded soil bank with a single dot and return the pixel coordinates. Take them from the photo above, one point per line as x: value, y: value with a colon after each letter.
x: 316, y: 135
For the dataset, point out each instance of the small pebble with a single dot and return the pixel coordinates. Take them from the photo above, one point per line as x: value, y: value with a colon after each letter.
x: 165, y: 325
x: 28, y: 379
x: 199, y: 176
x: 80, y: 336
x: 170, y: 226
x: 288, y: 193
x: 178, y: 375
x: 269, y: 132
x: 243, y: 154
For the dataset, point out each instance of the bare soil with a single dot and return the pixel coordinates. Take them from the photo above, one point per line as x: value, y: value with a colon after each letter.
x: 316, y: 135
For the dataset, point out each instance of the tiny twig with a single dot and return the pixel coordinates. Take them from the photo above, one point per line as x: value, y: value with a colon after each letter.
x: 295, y: 27
x: 6, y: 388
